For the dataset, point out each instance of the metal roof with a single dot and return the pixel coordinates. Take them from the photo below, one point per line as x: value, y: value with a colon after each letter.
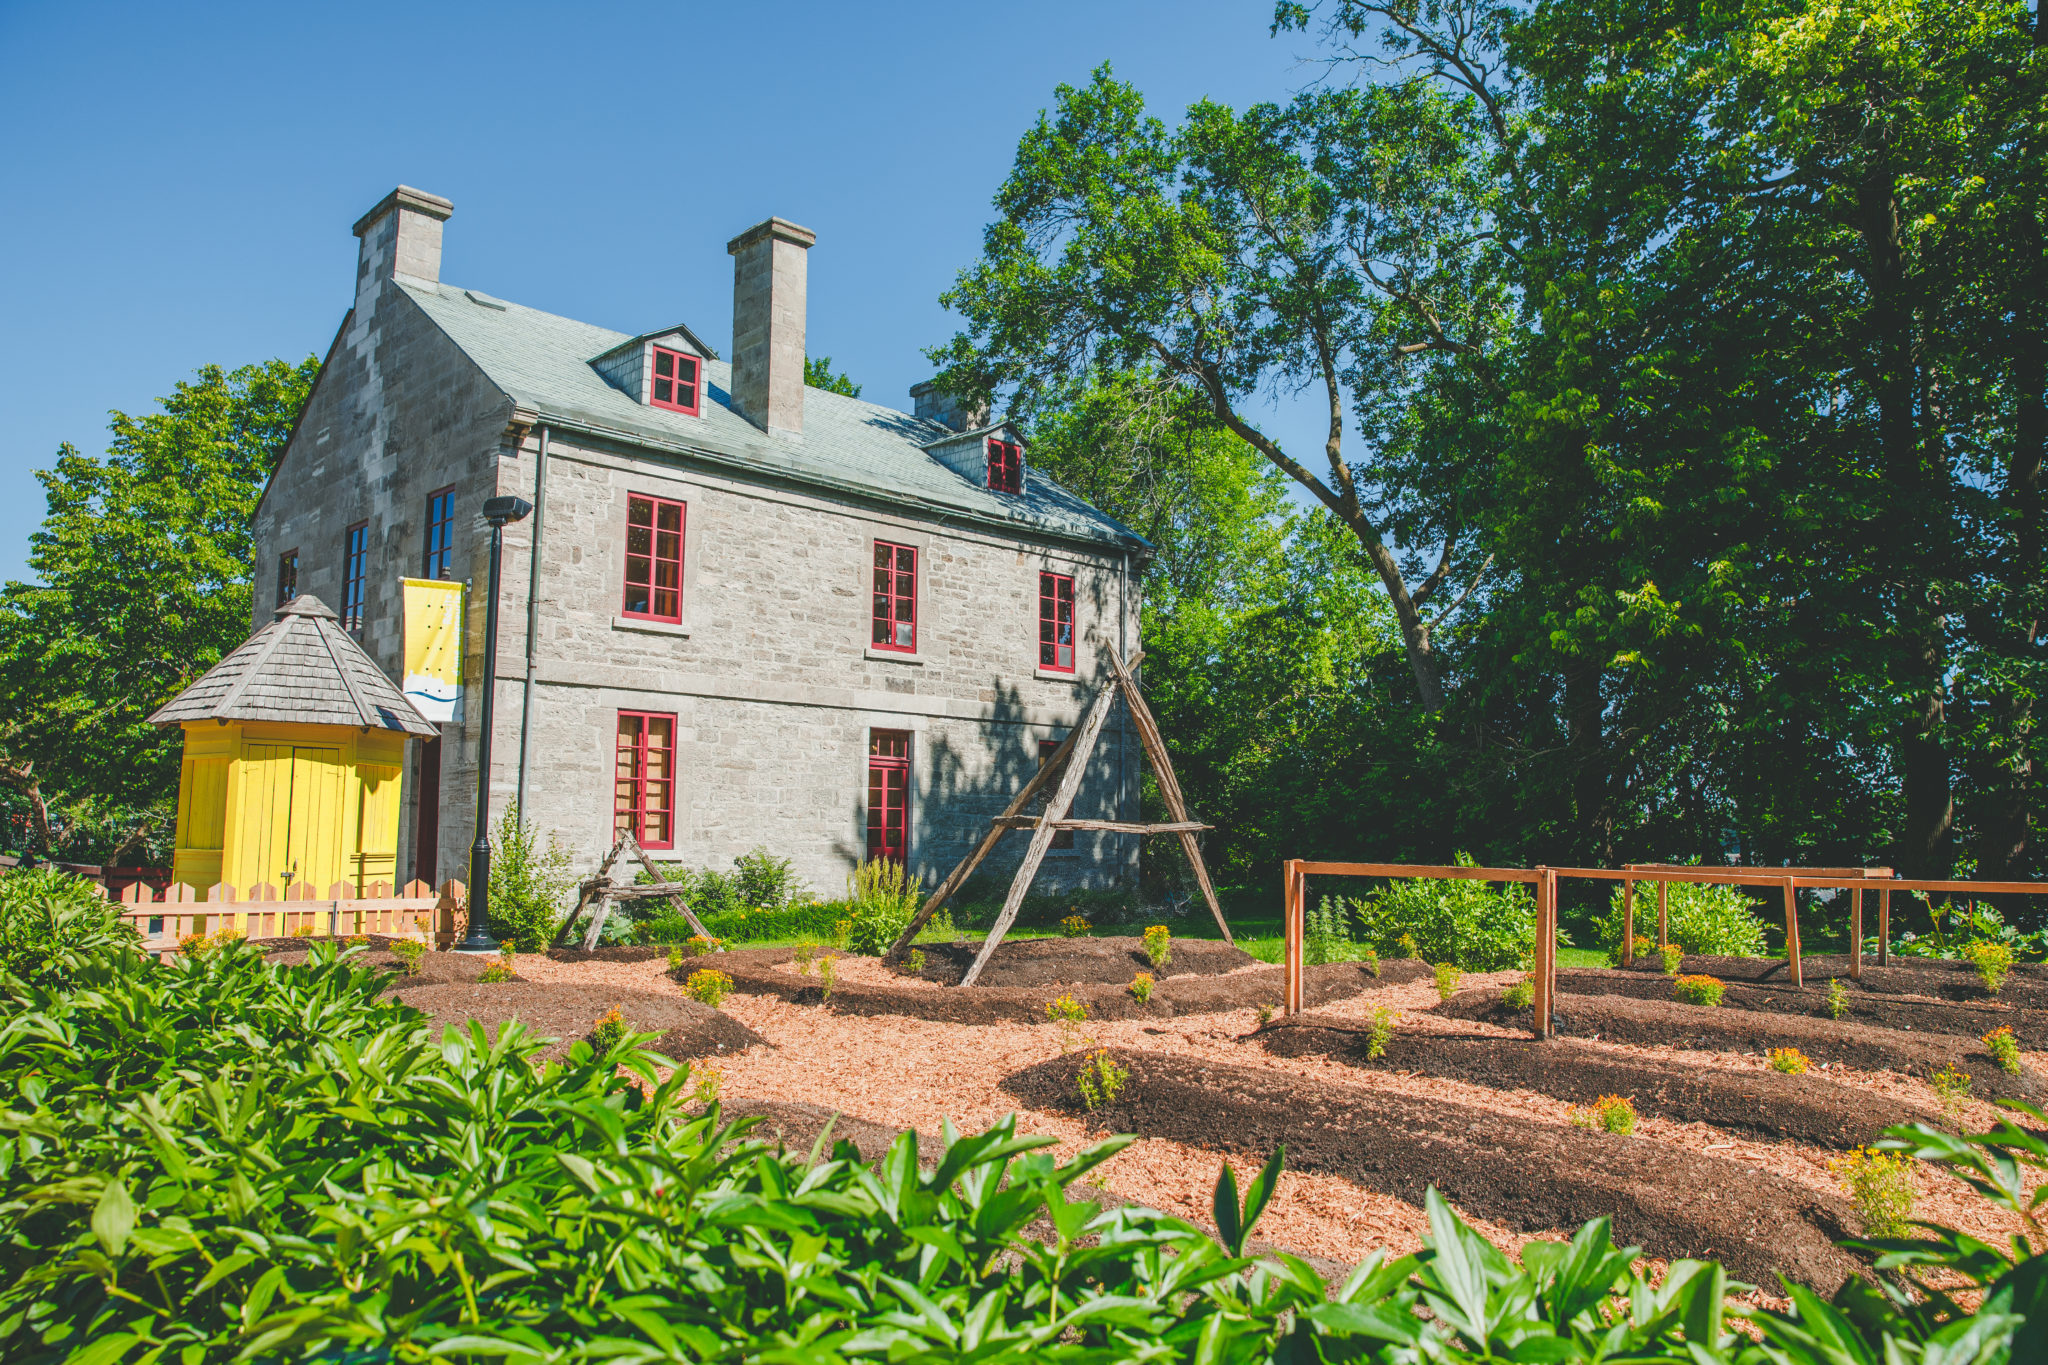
x: 301, y: 669
x: 542, y: 362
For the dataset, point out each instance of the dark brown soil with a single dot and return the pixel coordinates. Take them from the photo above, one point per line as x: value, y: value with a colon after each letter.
x: 1884, y: 1009
x: 1806, y: 1108
x: 436, y: 969
x: 1078, y: 961
x: 1530, y: 1176
x: 795, y: 1127
x: 1672, y: 1023
x: 1940, y: 978
x: 754, y: 971
x: 688, y: 1030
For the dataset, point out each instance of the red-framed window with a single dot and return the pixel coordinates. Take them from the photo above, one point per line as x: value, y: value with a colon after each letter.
x: 1046, y: 749
x: 287, y: 576
x: 1056, y: 622
x: 654, y: 559
x: 676, y: 381
x: 439, y: 560
x: 895, y: 597
x: 1005, y: 467
x: 889, y: 795
x: 644, y: 779
x: 355, y: 554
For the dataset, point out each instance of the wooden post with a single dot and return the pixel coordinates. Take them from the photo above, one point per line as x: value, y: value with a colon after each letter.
x: 1628, y: 924
x: 1154, y: 745
x: 1663, y: 915
x: 1792, y: 933
x: 1855, y: 933
x: 1544, y: 962
x: 1056, y: 807
x: 1884, y: 927
x: 1292, y: 931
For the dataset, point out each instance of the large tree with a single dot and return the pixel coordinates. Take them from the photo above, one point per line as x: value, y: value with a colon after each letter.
x: 140, y: 582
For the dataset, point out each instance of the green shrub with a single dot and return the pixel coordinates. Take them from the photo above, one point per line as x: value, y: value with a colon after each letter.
x: 52, y: 924
x: 1880, y: 1185
x: 2004, y: 1049
x: 1614, y: 1114
x: 1521, y: 995
x: 709, y: 986
x: 1381, y: 1032
x: 1158, y: 945
x: 1673, y: 957
x: 1952, y: 1087
x: 1992, y: 961
x: 914, y: 960
x: 609, y: 1031
x: 1075, y: 926
x: 1448, y: 979
x: 531, y: 888
x: 1705, y: 919
x: 1699, y: 989
x: 1838, y: 998
x: 1479, y: 926
x: 1101, y: 1080
x: 882, y: 898
x: 1141, y: 988
x: 410, y: 952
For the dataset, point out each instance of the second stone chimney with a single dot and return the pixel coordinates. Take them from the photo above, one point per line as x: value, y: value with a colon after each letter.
x: 939, y: 406
x: 768, y: 284
x: 401, y: 236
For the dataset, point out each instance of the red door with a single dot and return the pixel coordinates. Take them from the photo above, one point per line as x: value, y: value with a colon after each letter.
x: 889, y: 795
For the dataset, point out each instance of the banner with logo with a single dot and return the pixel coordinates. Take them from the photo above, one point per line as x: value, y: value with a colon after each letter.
x: 433, y: 648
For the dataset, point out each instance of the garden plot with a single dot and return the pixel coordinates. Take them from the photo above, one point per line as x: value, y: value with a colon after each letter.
x: 1893, y: 1008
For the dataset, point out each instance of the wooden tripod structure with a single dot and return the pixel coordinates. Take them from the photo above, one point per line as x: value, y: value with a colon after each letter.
x: 597, y: 892
x: 1065, y: 768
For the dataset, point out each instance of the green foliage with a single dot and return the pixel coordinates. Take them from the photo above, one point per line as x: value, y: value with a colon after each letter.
x: 1614, y: 1114
x: 1705, y: 920
x: 1448, y: 979
x: 1158, y: 945
x: 708, y: 986
x: 1475, y: 925
x: 1673, y: 957
x: 2004, y: 1049
x: 1074, y: 926
x: 1880, y: 1185
x: 51, y: 924
x: 1521, y: 995
x: 1699, y: 989
x: 497, y: 971
x: 1141, y: 988
x: 815, y: 918
x: 1101, y: 1080
x: 139, y: 583
x: 410, y: 953
x: 1952, y: 1087
x: 1789, y: 1061
x: 882, y: 898
x: 1381, y: 1031
x: 1992, y: 961
x: 819, y: 374
x: 1838, y: 998
x: 609, y: 1031
x: 530, y: 886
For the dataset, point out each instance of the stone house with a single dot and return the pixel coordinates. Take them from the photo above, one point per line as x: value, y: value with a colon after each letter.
x: 743, y: 612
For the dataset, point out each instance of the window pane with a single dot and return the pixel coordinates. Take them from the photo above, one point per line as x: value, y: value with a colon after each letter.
x: 664, y: 362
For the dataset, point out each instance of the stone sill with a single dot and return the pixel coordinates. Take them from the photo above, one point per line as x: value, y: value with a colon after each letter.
x: 681, y: 632
x: 892, y: 656
x: 1055, y: 675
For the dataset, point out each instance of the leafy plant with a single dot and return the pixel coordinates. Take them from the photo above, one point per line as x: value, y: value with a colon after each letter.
x: 1614, y: 1114
x: 1265, y: 1013
x: 52, y: 924
x: 1448, y: 979
x: 530, y: 886
x: 804, y: 954
x: 1992, y: 961
x: 1521, y: 995
x: 1879, y: 1184
x: 1141, y: 988
x: 1699, y: 989
x: 828, y: 976
x: 1407, y: 947
x: 708, y: 986
x: 707, y: 1082
x: 1838, y: 998
x: 675, y: 958
x: 1704, y: 919
x: 1477, y: 925
x: 1158, y: 945
x: 609, y: 1031
x: 762, y: 881
x: 1101, y: 1080
x: 1952, y: 1087
x: 1075, y: 926
x: 1371, y: 959
x: 915, y: 961
x: 1790, y: 1060
x: 1641, y: 949
x: 2004, y: 1049
x: 497, y: 970
x: 1673, y: 957
x: 1066, y: 1009
x: 410, y: 953
x: 881, y: 898
x: 1381, y: 1031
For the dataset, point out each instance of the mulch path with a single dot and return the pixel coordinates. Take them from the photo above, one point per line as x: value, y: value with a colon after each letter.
x: 1673, y: 1023
x: 1806, y: 1108
x: 1111, y: 961
x: 1529, y: 1176
x: 1890, y: 1008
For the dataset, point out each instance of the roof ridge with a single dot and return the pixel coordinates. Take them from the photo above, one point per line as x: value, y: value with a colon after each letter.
x: 348, y: 681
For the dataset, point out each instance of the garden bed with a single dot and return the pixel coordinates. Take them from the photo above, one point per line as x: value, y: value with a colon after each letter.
x: 1672, y: 1023
x: 1890, y: 1008
x: 1078, y: 961
x: 1941, y: 978
x: 1533, y: 1177
x: 1806, y: 1108
x: 566, y: 1012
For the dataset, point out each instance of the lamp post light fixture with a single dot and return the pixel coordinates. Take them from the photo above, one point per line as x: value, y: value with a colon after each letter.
x: 499, y: 512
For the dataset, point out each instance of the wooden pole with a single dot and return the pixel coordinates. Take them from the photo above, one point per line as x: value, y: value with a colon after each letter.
x: 1856, y: 933
x: 1792, y: 932
x: 1884, y: 926
x: 1154, y: 745
x: 1663, y: 915
x: 1544, y: 963
x: 1292, y: 928
x: 1056, y: 807
x: 1628, y: 924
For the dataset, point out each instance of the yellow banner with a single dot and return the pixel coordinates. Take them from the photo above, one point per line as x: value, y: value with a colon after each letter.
x: 433, y: 648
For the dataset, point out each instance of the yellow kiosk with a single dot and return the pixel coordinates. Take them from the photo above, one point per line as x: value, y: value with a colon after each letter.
x: 294, y: 756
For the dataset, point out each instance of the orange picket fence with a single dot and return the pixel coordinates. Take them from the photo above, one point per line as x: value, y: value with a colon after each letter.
x: 417, y: 910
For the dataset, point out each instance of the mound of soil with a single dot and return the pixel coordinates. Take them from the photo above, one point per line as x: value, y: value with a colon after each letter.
x: 1534, y: 1177
x: 1884, y: 1009
x: 436, y: 969
x: 1803, y: 1108
x: 795, y: 1127
x: 755, y: 971
x: 689, y: 1030
x: 1672, y: 1023
x: 1078, y: 961
x: 1940, y: 978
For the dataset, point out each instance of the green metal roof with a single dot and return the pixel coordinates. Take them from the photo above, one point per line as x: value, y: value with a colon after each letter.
x: 542, y: 362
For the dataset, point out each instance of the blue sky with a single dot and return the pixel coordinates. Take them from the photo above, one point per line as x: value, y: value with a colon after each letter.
x: 182, y: 179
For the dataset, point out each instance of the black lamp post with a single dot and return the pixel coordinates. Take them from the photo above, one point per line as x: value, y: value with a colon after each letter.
x: 499, y: 512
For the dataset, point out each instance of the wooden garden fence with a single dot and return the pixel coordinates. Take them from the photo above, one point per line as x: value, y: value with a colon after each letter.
x: 1791, y: 881
x: 415, y: 910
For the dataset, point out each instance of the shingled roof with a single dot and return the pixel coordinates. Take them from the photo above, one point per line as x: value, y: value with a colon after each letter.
x: 301, y: 669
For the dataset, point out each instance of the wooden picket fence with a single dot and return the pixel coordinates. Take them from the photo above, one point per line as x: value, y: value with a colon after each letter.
x: 417, y: 910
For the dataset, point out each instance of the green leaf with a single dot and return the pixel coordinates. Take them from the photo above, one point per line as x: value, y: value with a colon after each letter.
x: 113, y: 1218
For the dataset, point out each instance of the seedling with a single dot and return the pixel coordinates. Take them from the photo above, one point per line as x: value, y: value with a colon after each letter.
x: 1521, y: 995
x: 1074, y: 926
x: 1069, y: 1013
x: 710, y: 1081
x: 1880, y: 1185
x: 1448, y: 979
x: 675, y: 957
x: 1383, y: 1020
x: 698, y: 945
x: 1101, y: 1080
x: 915, y: 962
x: 1406, y: 943
x: 1265, y: 1013
x: 1953, y: 1087
x: 1158, y: 945
x: 410, y: 952
x: 1838, y: 998
x: 1141, y: 988
x: 708, y: 986
x: 1790, y: 1060
x: 1699, y: 990
x: 1640, y: 947
x: 1673, y: 955
x: 1614, y: 1114
x: 828, y: 975
x: 1992, y: 961
x: 806, y: 953
x: 2004, y: 1049
x: 609, y: 1030
x: 497, y: 971
x: 1371, y: 961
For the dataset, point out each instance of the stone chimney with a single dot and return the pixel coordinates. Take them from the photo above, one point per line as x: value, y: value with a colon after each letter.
x: 401, y: 236
x: 945, y: 409
x: 768, y: 284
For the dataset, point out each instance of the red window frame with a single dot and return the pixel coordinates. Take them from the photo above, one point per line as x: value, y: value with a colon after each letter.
x: 439, y: 557
x: 655, y: 528
x: 889, y: 796
x: 1005, y: 467
x: 1061, y: 838
x: 355, y: 554
x: 287, y: 576
x: 644, y: 778
x: 1056, y: 648
x: 675, y: 381
x: 893, y: 580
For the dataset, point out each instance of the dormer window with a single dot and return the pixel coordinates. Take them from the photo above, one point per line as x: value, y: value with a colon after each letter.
x: 676, y: 381
x: 1005, y: 467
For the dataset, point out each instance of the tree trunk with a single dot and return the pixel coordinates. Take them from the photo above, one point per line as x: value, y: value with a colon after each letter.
x: 1583, y: 706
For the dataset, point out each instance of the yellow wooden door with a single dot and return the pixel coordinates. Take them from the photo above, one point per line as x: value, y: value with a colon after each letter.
x: 314, y: 842
x: 377, y: 825
x: 262, y: 818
